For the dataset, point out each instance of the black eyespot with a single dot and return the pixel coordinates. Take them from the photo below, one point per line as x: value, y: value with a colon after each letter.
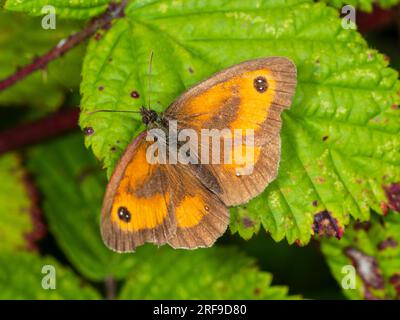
x: 261, y: 84
x: 124, y: 214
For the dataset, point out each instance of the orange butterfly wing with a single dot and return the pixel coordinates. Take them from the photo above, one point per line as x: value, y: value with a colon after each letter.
x: 250, y: 95
x: 158, y: 203
x: 201, y: 217
x: 185, y: 205
x: 137, y: 203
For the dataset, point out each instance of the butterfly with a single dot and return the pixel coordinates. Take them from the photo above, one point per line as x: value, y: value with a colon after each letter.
x: 186, y: 205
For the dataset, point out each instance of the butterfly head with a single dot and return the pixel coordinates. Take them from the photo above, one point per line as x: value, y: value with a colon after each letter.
x: 149, y: 117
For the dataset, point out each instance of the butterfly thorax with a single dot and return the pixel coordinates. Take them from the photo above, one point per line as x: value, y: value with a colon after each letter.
x: 151, y: 118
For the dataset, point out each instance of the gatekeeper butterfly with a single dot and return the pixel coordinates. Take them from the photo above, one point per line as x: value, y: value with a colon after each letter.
x: 186, y: 205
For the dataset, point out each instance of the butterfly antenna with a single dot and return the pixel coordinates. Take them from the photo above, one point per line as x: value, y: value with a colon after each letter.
x: 150, y: 74
x: 119, y: 111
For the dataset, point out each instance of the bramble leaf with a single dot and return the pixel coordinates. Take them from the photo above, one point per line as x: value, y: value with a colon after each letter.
x: 215, y: 273
x: 19, y: 47
x: 22, y: 274
x: 17, y: 209
x: 73, y: 9
x: 340, y: 139
x: 373, y: 248
x: 73, y: 185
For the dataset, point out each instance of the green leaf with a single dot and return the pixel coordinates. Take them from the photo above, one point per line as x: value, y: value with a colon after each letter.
x: 22, y: 274
x: 340, y: 139
x: 365, y: 5
x: 72, y: 187
x: 21, y: 40
x: 374, y: 249
x: 75, y: 9
x: 15, y: 205
x: 215, y: 273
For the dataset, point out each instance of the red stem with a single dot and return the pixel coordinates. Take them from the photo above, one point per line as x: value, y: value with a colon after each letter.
x: 377, y: 19
x: 53, y: 125
x: 102, y: 21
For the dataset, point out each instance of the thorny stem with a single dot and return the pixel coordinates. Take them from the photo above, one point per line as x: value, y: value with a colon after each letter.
x: 102, y: 21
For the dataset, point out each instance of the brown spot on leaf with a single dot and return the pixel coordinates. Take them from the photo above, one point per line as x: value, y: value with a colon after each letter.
x: 362, y: 225
x: 369, y: 296
x: 395, y: 281
x: 326, y: 225
x: 395, y: 278
x: 393, y: 194
x: 190, y: 69
x: 38, y: 230
x: 101, y: 88
x: 324, y: 138
x: 387, y: 243
x: 315, y: 203
x: 135, y: 94
x: 88, y: 131
x: 247, y: 222
x: 395, y: 106
x: 366, y: 267
x: 257, y: 291
x: 97, y: 36
x: 320, y: 179
x: 384, y: 208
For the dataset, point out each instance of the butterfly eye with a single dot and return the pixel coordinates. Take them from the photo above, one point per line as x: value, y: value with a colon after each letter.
x: 261, y: 84
x: 124, y: 214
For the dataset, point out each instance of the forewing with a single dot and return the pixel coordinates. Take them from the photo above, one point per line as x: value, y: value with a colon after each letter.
x: 247, y: 99
x: 137, y: 203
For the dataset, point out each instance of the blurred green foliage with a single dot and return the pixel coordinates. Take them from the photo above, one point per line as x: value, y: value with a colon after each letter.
x: 64, y: 9
x: 15, y: 204
x: 46, y: 89
x: 21, y: 276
